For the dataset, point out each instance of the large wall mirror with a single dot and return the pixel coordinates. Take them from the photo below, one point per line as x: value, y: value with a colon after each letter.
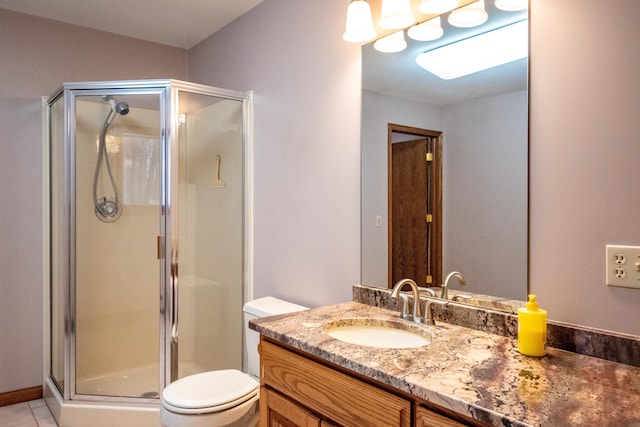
x: 483, y: 120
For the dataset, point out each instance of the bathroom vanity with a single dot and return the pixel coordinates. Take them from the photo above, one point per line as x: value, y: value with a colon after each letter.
x: 293, y: 382
x: 462, y: 377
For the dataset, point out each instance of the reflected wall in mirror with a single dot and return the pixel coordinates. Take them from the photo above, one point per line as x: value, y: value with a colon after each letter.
x: 483, y: 118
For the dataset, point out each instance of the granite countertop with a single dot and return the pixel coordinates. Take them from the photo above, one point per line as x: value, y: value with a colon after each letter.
x: 474, y: 373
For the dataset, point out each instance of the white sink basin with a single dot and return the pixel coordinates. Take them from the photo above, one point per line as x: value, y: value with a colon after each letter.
x: 378, y: 333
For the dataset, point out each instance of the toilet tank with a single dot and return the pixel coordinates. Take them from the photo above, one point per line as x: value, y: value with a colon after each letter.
x: 261, y: 307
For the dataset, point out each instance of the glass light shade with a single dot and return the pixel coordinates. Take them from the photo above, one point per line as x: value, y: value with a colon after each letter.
x: 435, y: 7
x: 359, y: 26
x: 512, y: 5
x: 426, y: 31
x: 396, y: 14
x: 487, y: 50
x: 469, y: 16
x: 392, y: 43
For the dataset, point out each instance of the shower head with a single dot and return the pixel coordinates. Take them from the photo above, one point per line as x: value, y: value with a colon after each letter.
x: 121, y: 108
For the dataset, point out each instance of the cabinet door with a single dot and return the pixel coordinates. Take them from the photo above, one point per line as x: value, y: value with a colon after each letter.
x: 427, y: 418
x: 334, y: 395
x: 278, y: 411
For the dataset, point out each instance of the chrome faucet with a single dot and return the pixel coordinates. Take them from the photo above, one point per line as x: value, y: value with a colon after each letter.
x: 445, y: 285
x: 395, y: 293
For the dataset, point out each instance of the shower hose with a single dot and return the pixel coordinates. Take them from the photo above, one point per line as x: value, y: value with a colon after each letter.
x: 107, y: 209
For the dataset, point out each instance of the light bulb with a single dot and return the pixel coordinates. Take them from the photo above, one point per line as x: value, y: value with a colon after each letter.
x: 426, y: 31
x: 512, y: 5
x: 396, y: 14
x: 471, y: 15
x: 392, y: 43
x: 436, y: 7
x: 359, y: 26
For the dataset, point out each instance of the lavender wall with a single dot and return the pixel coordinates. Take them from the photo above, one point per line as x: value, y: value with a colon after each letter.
x: 306, y: 150
x: 37, y: 56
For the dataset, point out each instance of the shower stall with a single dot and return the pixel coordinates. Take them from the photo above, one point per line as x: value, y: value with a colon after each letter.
x: 146, y: 245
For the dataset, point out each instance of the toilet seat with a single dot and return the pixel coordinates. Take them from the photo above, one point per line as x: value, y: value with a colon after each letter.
x: 209, y: 392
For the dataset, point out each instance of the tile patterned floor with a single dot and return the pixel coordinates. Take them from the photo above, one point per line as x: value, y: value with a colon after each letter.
x: 29, y: 414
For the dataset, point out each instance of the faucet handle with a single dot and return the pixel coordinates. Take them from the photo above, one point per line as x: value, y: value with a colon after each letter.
x: 405, y: 306
x: 416, y: 316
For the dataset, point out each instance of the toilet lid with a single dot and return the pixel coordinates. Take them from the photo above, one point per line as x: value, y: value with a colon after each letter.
x: 214, y: 391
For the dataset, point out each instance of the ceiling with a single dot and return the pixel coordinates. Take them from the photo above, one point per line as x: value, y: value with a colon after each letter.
x: 184, y: 23
x: 179, y: 23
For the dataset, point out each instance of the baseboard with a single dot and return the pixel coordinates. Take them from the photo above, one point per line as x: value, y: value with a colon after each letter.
x: 19, y: 396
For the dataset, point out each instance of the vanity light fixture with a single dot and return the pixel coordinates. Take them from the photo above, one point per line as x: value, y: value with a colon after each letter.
x: 437, y: 7
x: 392, y: 43
x: 359, y: 28
x: 512, y: 5
x: 469, y: 16
x: 396, y: 14
x: 486, y: 50
x: 427, y: 31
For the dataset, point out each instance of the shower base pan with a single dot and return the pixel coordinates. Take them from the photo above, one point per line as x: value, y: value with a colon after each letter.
x: 78, y: 413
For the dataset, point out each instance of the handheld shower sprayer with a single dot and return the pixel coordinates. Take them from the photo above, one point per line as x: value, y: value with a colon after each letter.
x: 107, y: 209
x: 121, y: 107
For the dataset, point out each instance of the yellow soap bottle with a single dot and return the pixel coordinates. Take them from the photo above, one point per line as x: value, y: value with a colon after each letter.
x: 532, y: 329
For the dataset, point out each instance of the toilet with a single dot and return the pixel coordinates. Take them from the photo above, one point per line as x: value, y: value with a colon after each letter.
x: 224, y: 398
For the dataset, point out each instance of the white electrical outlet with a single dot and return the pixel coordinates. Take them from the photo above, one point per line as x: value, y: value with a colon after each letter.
x: 623, y: 266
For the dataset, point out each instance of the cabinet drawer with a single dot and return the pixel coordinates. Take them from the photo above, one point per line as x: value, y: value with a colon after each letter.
x: 427, y: 418
x: 336, y: 396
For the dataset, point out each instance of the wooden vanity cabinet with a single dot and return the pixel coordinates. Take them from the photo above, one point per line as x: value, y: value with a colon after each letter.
x: 302, y: 392
x: 297, y: 391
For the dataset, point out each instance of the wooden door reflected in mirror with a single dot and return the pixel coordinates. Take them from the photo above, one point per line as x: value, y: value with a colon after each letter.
x: 415, y: 205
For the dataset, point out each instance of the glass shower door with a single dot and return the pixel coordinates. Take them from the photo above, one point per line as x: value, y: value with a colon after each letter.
x: 58, y: 241
x: 210, y: 233
x: 117, y: 217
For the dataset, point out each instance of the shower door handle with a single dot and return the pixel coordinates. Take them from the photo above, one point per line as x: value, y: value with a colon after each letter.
x: 174, y: 314
x: 163, y: 290
x: 160, y: 247
x: 174, y: 296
